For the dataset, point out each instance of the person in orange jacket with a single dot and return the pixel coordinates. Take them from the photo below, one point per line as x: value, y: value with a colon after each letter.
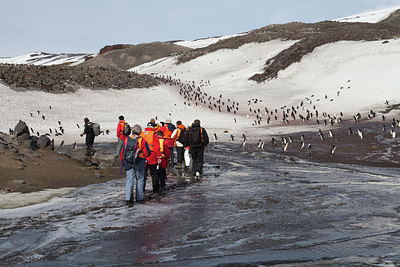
x: 120, y: 134
x: 167, y: 130
x: 155, y: 157
x: 179, y: 135
x: 134, y: 167
x: 165, y: 150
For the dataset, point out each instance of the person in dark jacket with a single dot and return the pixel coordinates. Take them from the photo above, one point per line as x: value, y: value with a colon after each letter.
x: 197, y: 141
x: 88, y: 131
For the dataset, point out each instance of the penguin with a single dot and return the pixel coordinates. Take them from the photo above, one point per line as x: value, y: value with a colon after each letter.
x: 361, y: 133
x: 310, y: 149
x: 32, y: 130
x: 38, y: 112
x: 393, y: 133
x: 321, y: 134
x: 330, y: 133
x: 303, y: 144
x: 244, y: 137
x: 302, y: 138
x: 232, y: 137
x: 285, y: 147
x: 59, y: 122
x: 62, y: 143
x: 74, y: 145
x: 333, y: 148
x: 51, y: 131
x: 273, y: 141
x: 259, y: 143
x: 31, y: 114
x: 107, y: 132
x: 52, y: 144
x: 43, y: 117
x: 77, y: 125
x: 50, y: 107
x: 383, y: 117
x: 290, y: 140
x: 350, y: 131
x: 215, y: 137
x: 37, y: 133
x: 384, y: 127
x: 262, y: 145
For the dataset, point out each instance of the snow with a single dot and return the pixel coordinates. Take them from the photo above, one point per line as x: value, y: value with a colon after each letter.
x: 199, y: 43
x: 370, y: 17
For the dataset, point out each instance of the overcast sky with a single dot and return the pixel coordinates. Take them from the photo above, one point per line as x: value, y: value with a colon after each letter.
x: 85, y: 26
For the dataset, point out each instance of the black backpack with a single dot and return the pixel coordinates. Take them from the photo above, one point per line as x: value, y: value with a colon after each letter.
x: 127, y: 129
x: 195, y: 137
x: 182, y: 136
x: 132, y: 149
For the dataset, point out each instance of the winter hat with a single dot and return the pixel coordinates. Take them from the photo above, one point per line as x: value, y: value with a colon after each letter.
x: 136, y: 129
x: 167, y: 121
x: 121, y: 117
x: 150, y: 125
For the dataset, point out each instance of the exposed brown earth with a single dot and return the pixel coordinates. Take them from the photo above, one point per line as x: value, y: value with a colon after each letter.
x: 135, y: 55
x: 62, y: 79
x: 25, y: 170
x: 378, y: 148
x: 310, y: 36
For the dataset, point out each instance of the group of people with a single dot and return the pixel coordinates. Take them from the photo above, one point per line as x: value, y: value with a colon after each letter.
x: 152, y: 150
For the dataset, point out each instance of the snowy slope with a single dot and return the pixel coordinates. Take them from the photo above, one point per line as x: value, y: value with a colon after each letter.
x: 199, y: 43
x: 370, y: 17
x: 45, y: 59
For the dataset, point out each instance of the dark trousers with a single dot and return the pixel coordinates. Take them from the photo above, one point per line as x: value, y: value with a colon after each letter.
x: 197, y: 157
x: 171, y: 156
x: 89, y: 146
x: 179, y: 153
x: 162, y: 176
x: 154, y: 177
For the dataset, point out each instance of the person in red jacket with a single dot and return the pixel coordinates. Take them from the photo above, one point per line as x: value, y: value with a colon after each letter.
x: 155, y: 157
x: 120, y: 134
x: 164, y: 149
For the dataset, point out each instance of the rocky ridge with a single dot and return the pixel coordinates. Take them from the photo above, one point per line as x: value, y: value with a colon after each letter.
x: 63, y: 79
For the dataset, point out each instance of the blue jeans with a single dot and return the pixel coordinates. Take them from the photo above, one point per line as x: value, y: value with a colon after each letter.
x: 135, y: 174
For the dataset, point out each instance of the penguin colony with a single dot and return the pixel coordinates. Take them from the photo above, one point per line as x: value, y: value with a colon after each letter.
x: 305, y: 112
x: 57, y: 130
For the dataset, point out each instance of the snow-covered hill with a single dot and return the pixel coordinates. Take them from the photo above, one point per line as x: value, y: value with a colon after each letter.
x: 46, y: 59
x: 370, y: 17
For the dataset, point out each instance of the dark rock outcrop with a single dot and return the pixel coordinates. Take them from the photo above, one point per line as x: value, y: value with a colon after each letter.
x: 393, y: 19
x: 20, y: 129
x: 109, y: 48
x: 43, y: 141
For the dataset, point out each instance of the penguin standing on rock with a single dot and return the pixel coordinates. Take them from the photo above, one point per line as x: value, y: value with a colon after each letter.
x: 333, y: 149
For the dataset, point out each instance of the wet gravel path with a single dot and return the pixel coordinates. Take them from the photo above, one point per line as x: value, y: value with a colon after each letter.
x: 250, y: 208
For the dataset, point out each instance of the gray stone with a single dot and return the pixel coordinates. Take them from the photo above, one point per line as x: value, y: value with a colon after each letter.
x: 21, y: 128
x: 43, y: 141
